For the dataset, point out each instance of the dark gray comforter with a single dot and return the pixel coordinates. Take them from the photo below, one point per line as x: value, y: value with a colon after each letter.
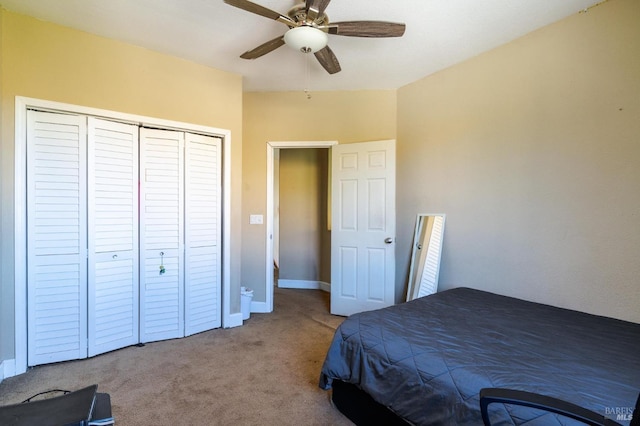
x: 427, y: 359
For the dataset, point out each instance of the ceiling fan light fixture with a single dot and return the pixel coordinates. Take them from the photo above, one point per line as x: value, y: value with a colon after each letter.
x: 306, y: 39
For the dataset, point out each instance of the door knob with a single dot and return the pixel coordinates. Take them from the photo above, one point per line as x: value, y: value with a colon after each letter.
x: 388, y: 240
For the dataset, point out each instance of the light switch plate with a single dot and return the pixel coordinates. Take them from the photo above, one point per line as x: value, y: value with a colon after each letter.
x: 255, y: 219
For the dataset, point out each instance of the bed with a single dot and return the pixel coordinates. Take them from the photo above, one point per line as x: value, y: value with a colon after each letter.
x: 424, y: 362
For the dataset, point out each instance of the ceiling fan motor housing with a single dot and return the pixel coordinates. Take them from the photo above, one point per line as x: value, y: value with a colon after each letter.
x: 299, y: 14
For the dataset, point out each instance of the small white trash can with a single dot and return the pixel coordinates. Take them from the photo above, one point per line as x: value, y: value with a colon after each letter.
x: 245, y: 302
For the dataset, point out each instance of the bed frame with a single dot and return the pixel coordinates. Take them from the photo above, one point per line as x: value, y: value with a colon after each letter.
x: 360, y: 408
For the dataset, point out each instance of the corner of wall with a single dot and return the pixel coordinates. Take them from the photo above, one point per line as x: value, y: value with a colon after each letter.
x: 2, y: 214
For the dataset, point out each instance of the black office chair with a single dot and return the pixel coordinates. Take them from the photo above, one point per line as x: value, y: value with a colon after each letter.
x: 79, y: 408
x: 547, y: 403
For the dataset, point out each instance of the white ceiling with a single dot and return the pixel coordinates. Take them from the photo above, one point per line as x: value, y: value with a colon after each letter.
x: 439, y: 33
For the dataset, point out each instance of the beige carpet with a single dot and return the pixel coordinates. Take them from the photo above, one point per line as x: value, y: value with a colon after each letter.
x: 263, y: 373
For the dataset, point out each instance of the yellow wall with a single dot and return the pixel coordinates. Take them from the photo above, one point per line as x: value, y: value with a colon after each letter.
x: 533, y: 152
x: 46, y: 61
x: 347, y: 117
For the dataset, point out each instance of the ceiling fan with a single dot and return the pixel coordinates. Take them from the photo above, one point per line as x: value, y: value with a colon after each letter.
x: 308, y: 29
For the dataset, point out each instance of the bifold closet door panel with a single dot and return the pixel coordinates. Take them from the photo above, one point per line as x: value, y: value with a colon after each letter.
x: 113, y: 235
x: 202, y: 233
x: 161, y: 234
x: 56, y: 238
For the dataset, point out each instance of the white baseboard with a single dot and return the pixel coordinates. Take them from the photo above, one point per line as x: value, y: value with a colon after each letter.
x: 304, y: 284
x: 235, y: 320
x: 259, y: 307
x: 7, y: 369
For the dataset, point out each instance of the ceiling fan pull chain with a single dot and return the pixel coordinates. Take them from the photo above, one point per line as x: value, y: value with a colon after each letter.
x: 307, y: 75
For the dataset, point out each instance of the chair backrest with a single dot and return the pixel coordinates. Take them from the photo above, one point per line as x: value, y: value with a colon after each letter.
x: 542, y: 402
x: 73, y: 408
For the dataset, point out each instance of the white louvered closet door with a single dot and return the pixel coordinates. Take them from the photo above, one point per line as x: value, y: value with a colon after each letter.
x: 202, y: 233
x: 113, y: 235
x: 161, y: 234
x: 56, y: 237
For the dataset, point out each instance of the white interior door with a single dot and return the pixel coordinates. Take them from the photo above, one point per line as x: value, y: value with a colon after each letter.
x: 202, y: 233
x: 363, y: 227
x: 56, y: 237
x: 161, y: 234
x: 113, y: 235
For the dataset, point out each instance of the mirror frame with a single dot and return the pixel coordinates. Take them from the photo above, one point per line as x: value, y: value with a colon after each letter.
x: 432, y: 244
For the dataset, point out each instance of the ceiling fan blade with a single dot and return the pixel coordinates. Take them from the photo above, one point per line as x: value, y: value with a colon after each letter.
x: 316, y: 8
x: 264, y: 48
x: 260, y: 10
x: 367, y: 29
x: 328, y: 60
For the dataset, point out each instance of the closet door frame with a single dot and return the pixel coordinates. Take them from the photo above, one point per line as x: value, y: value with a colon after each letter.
x: 22, y: 104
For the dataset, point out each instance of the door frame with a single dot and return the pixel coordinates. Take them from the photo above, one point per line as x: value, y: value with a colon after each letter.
x: 272, y: 146
x: 20, y: 201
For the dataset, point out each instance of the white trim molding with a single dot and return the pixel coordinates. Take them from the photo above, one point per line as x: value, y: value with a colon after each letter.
x: 235, y: 320
x: 304, y: 284
x: 260, y: 307
x: 7, y: 369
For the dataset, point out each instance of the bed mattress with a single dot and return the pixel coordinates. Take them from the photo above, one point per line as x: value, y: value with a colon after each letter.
x: 426, y: 360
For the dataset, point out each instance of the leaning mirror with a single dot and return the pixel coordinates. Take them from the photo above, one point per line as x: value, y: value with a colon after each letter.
x: 425, y: 255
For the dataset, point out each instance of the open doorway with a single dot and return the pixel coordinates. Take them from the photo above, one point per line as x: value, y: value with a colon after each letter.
x: 302, y: 239
x: 297, y: 216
